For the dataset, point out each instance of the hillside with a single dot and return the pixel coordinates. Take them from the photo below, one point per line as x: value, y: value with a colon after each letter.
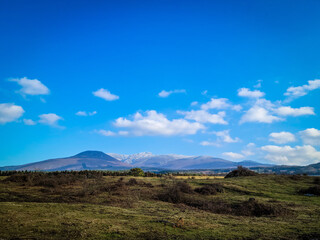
x: 87, y: 205
x: 87, y: 160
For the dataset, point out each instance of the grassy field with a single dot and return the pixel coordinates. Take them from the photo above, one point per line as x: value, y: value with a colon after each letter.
x: 257, y: 207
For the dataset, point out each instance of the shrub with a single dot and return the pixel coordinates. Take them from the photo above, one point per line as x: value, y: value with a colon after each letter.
x: 241, y: 172
x: 316, y: 180
x: 132, y: 181
x: 295, y: 177
x: 184, y: 187
x: 138, y: 172
x: 315, y: 190
x: 174, y: 193
x: 210, y: 189
x: 254, y: 208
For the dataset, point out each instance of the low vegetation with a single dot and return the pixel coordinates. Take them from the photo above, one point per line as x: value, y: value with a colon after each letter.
x: 241, y: 172
x: 90, y: 205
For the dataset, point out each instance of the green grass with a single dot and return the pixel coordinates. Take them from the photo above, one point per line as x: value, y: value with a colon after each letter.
x: 133, y: 212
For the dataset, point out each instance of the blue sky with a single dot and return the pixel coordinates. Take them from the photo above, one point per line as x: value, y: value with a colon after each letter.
x: 230, y: 79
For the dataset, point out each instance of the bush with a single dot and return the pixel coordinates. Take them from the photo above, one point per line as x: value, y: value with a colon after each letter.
x: 316, y: 180
x: 254, y: 208
x: 241, y: 172
x: 296, y: 177
x: 172, y: 195
x: 137, y: 172
x: 210, y: 189
x: 315, y: 190
x: 132, y: 181
x: 184, y: 187
x: 175, y: 192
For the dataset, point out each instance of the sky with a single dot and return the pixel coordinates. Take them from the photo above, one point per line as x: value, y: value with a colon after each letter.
x: 237, y: 80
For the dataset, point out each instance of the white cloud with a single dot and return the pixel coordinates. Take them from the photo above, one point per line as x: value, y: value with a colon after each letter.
x: 153, y: 123
x: 31, y: 86
x: 246, y: 92
x: 249, y: 149
x: 50, y: 119
x: 205, y: 117
x: 105, y: 94
x: 204, y: 92
x: 249, y: 145
x: 10, y: 112
x: 310, y: 136
x: 281, y: 137
x: 84, y: 113
x: 216, y: 103
x: 208, y: 143
x: 259, y: 114
x: 247, y: 152
x: 289, y: 111
x: 233, y: 155
x: 29, y: 122
x: 109, y: 133
x: 81, y: 113
x: 123, y: 133
x: 295, y: 92
x: 105, y: 133
x: 298, y: 155
x: 220, y: 103
x: 258, y: 85
x: 165, y: 93
x: 194, y: 103
x: 237, y: 107
x: 224, y: 136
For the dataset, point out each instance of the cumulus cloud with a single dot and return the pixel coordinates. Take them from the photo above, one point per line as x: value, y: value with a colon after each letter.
x: 298, y: 155
x: 220, y: 103
x: 84, y: 113
x: 29, y: 122
x: 264, y: 111
x: 282, y: 137
x: 259, y: 114
x: 295, y: 112
x: 10, y: 112
x: 233, y: 155
x: 165, y: 93
x: 50, y: 119
x: 205, y: 117
x: 295, y: 92
x: 246, y: 92
x: 247, y: 152
x: 310, y: 136
x: 31, y: 86
x: 249, y: 149
x: 105, y: 94
x: 224, y: 136
x: 153, y: 123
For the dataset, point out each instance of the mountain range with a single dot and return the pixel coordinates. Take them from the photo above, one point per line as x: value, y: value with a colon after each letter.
x: 97, y: 160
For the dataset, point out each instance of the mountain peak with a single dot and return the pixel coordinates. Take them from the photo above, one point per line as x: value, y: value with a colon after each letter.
x: 91, y: 154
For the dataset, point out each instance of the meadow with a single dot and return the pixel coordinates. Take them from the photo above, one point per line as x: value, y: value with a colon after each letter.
x: 93, y: 206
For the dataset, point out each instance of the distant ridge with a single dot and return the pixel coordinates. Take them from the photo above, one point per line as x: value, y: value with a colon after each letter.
x: 88, y: 160
x: 97, y: 160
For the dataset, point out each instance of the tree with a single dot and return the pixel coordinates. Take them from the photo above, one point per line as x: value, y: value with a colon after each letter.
x: 138, y: 172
